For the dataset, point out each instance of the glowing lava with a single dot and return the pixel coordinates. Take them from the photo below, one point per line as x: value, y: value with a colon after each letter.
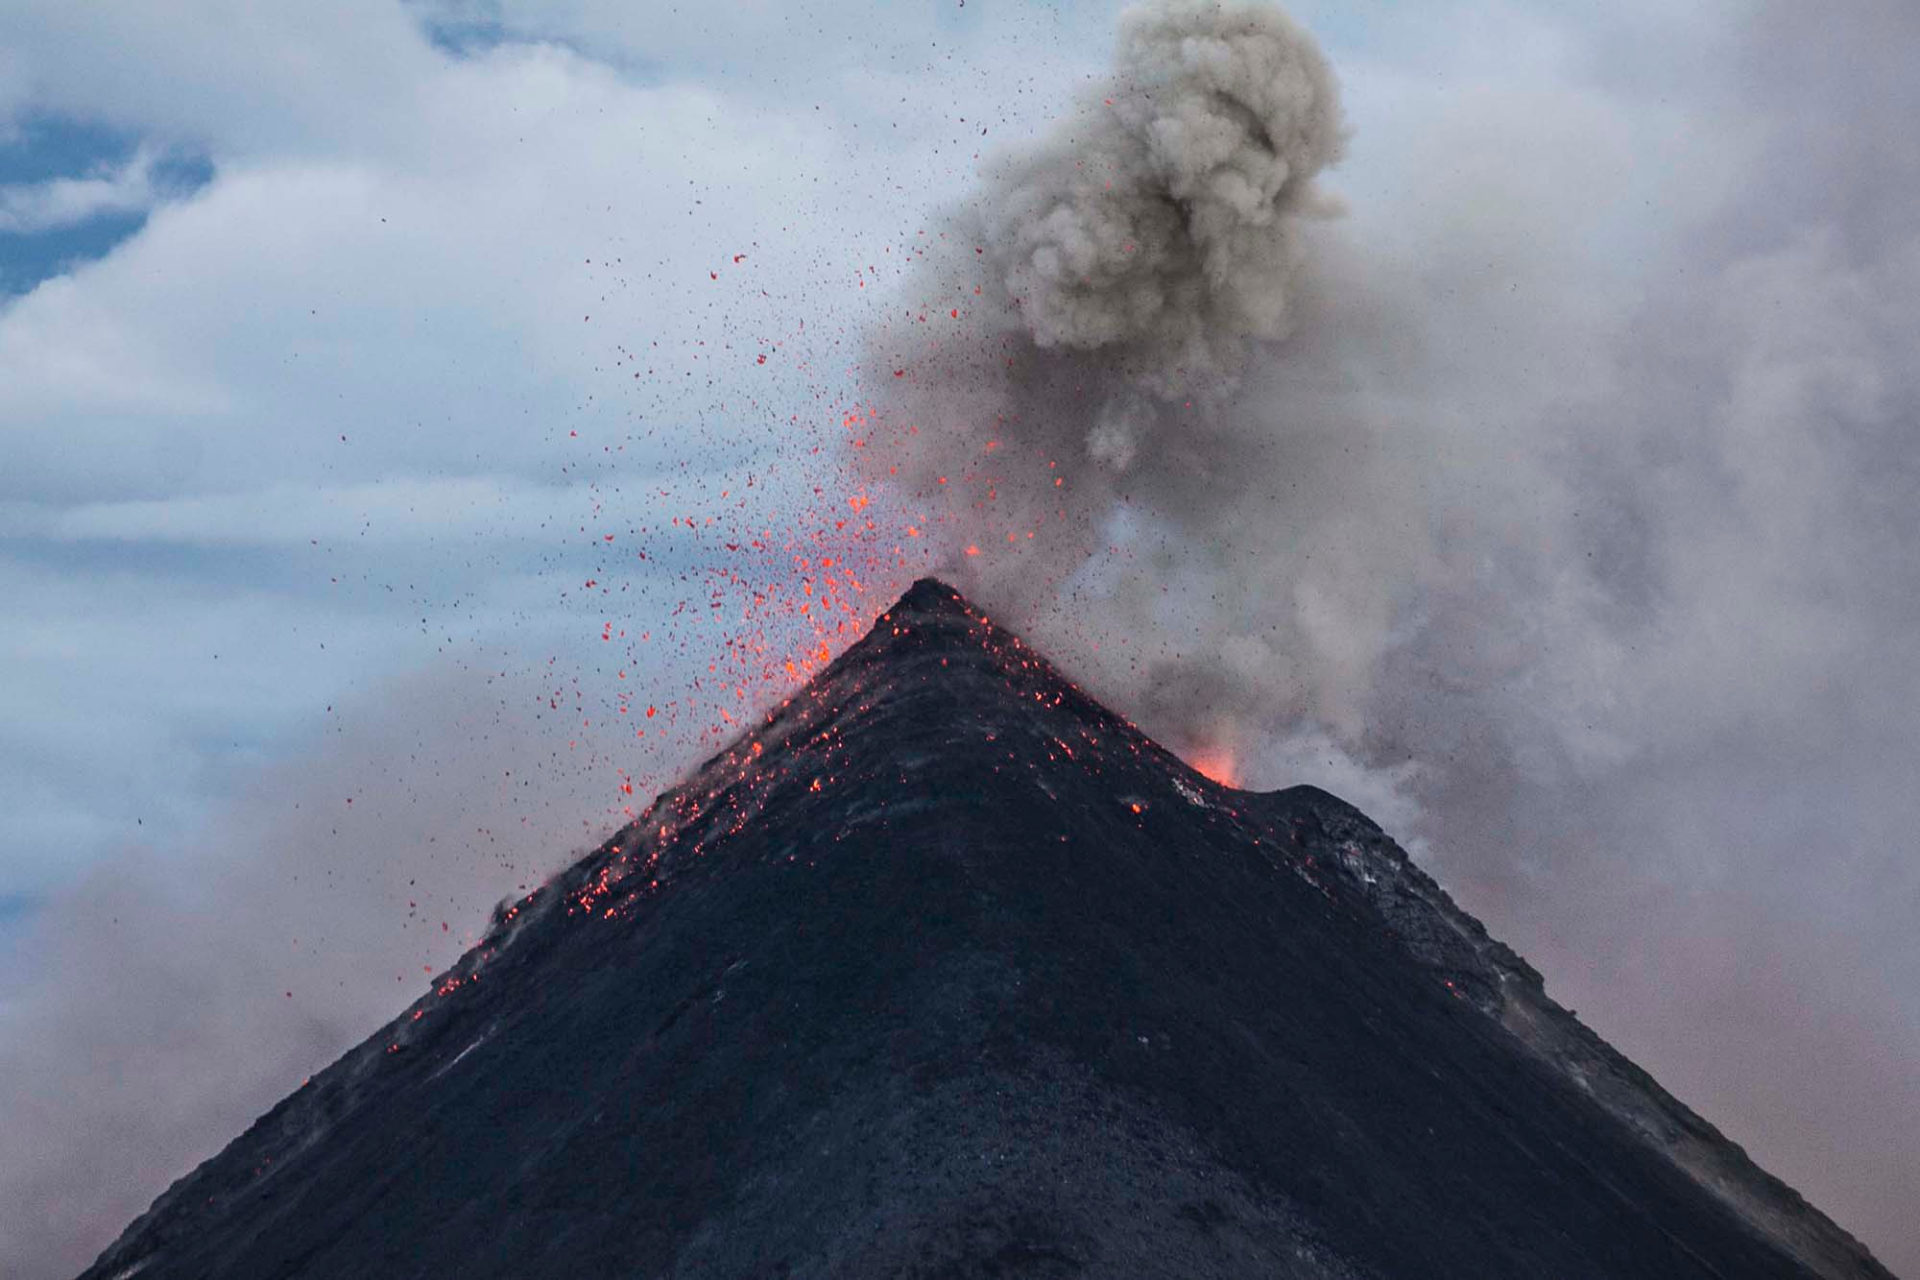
x: 1217, y: 765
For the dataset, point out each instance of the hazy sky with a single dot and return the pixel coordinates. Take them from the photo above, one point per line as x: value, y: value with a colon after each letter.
x: 337, y: 342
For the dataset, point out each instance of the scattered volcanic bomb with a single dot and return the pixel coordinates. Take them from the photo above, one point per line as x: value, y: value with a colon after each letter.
x: 944, y: 969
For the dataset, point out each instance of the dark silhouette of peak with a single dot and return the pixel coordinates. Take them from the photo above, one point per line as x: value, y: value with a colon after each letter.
x: 930, y: 596
x: 945, y: 970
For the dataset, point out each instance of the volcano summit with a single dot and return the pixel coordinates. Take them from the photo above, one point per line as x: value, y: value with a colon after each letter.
x: 945, y: 970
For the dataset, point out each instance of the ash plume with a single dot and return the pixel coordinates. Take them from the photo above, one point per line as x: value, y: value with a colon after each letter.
x: 1083, y: 340
x: 1161, y: 222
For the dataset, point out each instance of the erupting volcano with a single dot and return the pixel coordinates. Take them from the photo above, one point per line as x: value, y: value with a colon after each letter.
x: 943, y: 969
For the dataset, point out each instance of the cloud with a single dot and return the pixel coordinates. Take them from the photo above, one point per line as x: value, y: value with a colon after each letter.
x: 30, y: 207
x: 403, y: 510
x: 270, y: 78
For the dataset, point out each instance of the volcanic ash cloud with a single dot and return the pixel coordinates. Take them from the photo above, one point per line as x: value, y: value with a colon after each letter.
x: 1160, y: 222
x: 1074, y: 347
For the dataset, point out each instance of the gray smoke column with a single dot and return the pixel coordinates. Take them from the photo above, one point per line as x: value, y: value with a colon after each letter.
x: 1077, y: 345
x: 1161, y: 222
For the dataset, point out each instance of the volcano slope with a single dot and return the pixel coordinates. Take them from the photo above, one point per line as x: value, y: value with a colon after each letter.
x: 944, y: 970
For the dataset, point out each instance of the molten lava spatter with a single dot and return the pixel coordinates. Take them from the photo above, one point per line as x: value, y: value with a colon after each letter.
x: 942, y: 969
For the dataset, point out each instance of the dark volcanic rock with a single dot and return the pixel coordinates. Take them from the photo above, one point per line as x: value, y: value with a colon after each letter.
x: 945, y: 971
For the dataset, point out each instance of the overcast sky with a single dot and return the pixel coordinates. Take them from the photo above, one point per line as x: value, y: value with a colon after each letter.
x: 352, y: 358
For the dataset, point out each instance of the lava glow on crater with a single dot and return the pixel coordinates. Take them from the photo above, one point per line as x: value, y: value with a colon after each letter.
x: 1217, y: 765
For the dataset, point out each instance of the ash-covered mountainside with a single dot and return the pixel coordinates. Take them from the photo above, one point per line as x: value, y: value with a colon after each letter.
x: 946, y: 971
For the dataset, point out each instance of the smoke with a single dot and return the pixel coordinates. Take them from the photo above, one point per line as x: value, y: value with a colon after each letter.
x: 1556, y: 503
x: 1089, y: 355
x: 1162, y: 222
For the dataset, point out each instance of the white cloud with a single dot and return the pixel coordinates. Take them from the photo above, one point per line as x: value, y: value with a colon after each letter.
x: 234, y: 79
x: 401, y: 510
x: 29, y: 207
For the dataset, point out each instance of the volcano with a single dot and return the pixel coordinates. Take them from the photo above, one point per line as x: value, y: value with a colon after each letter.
x: 945, y: 970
